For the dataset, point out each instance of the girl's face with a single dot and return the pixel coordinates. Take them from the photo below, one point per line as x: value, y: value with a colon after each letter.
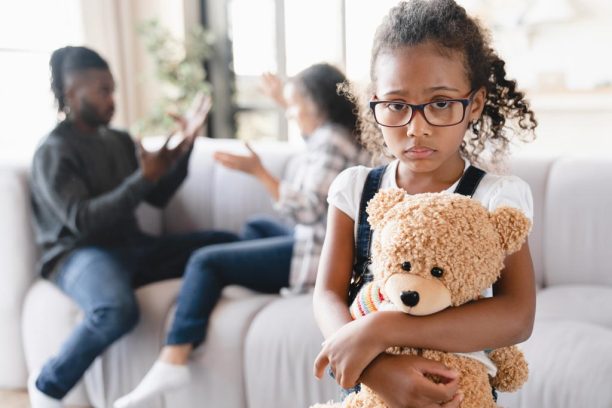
x: 301, y: 109
x: 416, y: 75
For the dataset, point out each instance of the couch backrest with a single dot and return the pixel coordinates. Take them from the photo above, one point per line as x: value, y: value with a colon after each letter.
x: 535, y: 171
x: 214, y: 197
x: 572, y: 236
x: 578, y: 222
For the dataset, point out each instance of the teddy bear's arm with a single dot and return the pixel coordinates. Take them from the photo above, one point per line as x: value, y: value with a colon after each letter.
x: 473, y: 378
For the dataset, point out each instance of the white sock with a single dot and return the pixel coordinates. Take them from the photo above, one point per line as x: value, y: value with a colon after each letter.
x: 39, y: 399
x: 161, y: 377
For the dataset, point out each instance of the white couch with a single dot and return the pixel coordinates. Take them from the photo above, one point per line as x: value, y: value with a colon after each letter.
x: 260, y: 348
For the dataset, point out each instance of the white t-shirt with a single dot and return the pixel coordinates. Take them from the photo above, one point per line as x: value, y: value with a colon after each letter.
x: 492, y: 192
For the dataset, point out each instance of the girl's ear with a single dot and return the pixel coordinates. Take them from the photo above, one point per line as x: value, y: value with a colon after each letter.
x: 477, y: 105
x: 383, y: 201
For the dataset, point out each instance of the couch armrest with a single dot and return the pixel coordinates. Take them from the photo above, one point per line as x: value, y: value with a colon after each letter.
x: 17, y: 271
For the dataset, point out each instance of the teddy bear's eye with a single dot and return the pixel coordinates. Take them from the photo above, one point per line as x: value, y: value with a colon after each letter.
x: 437, y: 272
x: 406, y: 266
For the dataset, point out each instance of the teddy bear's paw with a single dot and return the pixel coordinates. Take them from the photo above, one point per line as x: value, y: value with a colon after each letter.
x: 512, y: 369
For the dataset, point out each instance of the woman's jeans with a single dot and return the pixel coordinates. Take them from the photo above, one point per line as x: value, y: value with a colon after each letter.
x: 260, y: 262
x: 101, y: 280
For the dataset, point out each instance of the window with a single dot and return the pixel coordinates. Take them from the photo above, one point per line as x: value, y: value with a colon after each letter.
x: 29, y: 31
x: 559, y: 57
x: 285, y: 37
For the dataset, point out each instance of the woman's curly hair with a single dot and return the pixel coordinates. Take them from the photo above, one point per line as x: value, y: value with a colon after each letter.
x: 447, y: 24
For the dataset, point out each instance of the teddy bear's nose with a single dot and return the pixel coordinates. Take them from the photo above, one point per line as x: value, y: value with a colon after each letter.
x: 410, y: 298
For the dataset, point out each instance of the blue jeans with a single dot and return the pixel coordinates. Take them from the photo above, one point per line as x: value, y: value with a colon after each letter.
x: 260, y: 262
x: 101, y: 280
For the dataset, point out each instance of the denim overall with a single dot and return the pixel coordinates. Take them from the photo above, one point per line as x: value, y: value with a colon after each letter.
x: 361, y: 274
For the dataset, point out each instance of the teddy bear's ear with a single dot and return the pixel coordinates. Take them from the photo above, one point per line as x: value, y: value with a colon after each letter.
x: 512, y: 226
x: 381, y: 203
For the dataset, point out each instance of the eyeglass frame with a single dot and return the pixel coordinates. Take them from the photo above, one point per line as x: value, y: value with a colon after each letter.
x: 421, y: 107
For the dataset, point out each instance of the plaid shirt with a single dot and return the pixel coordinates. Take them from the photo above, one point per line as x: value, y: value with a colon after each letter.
x: 303, y: 197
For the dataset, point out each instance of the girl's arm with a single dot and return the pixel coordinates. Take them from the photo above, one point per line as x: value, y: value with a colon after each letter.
x: 505, y: 319
x: 335, y: 268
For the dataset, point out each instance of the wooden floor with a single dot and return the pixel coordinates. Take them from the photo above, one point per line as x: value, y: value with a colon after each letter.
x: 14, y: 399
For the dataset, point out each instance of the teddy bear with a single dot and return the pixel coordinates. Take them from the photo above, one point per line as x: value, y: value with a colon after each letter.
x: 431, y: 251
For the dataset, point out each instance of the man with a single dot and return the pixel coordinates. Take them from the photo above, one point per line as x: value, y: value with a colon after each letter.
x: 87, y: 181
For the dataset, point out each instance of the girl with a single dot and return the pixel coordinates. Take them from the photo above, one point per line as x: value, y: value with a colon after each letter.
x: 271, y: 255
x: 440, y: 98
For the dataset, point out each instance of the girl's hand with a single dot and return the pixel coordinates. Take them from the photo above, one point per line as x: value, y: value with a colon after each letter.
x: 250, y: 164
x: 349, y: 351
x: 400, y: 381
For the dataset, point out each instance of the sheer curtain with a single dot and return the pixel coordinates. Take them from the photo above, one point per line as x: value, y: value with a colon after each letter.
x: 109, y: 27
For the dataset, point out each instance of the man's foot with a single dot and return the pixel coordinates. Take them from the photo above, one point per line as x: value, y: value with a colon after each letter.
x: 39, y: 399
x: 161, y: 377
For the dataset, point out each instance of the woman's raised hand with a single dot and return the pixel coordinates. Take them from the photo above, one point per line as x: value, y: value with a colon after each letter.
x: 272, y: 86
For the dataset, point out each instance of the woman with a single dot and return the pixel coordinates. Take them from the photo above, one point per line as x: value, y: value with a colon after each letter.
x: 272, y: 255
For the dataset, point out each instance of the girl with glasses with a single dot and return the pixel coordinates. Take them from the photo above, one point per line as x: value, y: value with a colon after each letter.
x: 440, y: 105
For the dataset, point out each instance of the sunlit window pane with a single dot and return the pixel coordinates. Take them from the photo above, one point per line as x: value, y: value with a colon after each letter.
x: 29, y: 32
x: 252, y: 31
x: 313, y: 33
x: 39, y: 25
x: 362, y: 19
x: 257, y: 125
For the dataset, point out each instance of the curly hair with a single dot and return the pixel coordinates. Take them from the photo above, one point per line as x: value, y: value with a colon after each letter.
x: 447, y: 25
x: 67, y: 60
x: 321, y: 84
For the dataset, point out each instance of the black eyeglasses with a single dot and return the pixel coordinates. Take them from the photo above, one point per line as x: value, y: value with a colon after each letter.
x: 441, y: 112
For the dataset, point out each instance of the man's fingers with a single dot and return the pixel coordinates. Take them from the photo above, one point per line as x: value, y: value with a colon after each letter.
x: 167, y: 142
x: 139, y: 147
x: 206, y: 105
x: 182, y: 147
x: 180, y: 120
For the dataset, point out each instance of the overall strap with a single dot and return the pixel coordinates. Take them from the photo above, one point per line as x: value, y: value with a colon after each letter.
x: 469, y: 181
x: 364, y: 232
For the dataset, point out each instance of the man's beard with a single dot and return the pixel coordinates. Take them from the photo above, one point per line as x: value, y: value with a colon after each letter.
x: 90, y: 115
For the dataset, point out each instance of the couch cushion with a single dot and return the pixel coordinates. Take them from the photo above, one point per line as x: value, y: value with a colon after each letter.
x: 570, y: 366
x: 17, y: 260
x: 214, y: 197
x: 280, y: 350
x: 48, y: 318
x: 217, y: 367
x: 578, y: 222
x: 581, y: 303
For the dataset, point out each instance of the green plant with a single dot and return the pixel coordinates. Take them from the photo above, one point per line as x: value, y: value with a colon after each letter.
x: 179, y: 66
